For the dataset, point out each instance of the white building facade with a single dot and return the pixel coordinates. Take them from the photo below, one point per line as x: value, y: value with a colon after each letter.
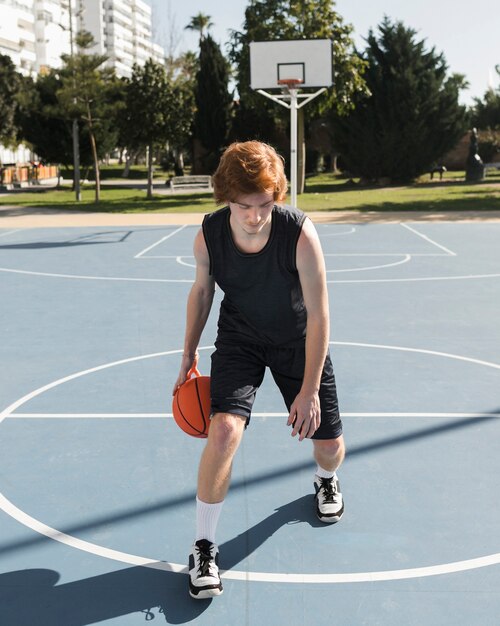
x: 17, y: 34
x: 122, y: 30
x: 35, y: 33
x: 53, y: 32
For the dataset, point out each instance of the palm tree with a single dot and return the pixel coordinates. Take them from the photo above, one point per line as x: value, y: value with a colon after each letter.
x: 201, y: 23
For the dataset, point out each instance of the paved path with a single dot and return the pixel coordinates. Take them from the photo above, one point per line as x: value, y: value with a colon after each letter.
x: 29, y: 217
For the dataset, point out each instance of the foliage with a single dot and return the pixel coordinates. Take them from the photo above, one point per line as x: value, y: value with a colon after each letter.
x: 200, y: 22
x: 412, y: 116
x: 10, y: 85
x: 158, y: 109
x: 46, y: 128
x: 489, y: 145
x: 91, y: 94
x: 292, y: 19
x: 213, y: 105
x: 486, y: 112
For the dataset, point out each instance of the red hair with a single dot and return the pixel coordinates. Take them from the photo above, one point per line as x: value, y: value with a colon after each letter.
x: 249, y: 167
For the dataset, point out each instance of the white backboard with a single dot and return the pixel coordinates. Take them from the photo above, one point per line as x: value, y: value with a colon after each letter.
x: 309, y: 60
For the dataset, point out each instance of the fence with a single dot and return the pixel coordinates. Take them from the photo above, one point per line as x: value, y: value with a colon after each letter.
x: 27, y: 174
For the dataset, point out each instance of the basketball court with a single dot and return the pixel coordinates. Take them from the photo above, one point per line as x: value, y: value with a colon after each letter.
x: 98, y: 482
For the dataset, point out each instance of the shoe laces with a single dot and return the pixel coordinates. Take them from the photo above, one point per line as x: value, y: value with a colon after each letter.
x: 328, y: 488
x: 205, y: 559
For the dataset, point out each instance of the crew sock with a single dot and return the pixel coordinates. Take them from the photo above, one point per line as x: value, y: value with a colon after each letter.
x: 322, y: 473
x: 207, y: 517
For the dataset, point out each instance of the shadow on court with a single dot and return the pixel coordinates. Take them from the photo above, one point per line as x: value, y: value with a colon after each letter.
x: 299, y: 511
x: 33, y: 597
x: 84, y: 240
x: 294, y: 511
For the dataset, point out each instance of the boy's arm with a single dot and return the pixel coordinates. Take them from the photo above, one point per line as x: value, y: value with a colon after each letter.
x: 305, y: 413
x: 198, y: 308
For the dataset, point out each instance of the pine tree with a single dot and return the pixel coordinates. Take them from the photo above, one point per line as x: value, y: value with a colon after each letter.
x: 412, y: 117
x: 10, y: 85
x: 213, y: 107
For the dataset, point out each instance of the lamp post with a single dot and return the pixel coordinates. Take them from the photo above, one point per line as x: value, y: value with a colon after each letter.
x: 76, y: 141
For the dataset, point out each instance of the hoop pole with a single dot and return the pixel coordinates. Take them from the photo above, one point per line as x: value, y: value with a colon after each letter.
x: 290, y: 100
x: 293, y: 147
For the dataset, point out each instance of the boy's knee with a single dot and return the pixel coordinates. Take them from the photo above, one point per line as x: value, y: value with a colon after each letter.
x: 332, y: 447
x: 226, y: 431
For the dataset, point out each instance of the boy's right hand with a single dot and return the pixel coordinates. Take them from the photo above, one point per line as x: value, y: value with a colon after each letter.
x: 188, y: 362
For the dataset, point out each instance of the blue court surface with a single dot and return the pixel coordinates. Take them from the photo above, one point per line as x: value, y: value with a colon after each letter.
x: 98, y: 483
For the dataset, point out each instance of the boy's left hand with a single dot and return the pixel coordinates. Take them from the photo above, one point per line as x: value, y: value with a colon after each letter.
x: 305, y: 415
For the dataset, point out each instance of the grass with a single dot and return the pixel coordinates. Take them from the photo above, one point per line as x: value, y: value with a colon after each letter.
x: 324, y: 192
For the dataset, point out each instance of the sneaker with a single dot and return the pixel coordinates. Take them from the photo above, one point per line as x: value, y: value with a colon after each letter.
x: 204, y: 579
x: 329, y: 501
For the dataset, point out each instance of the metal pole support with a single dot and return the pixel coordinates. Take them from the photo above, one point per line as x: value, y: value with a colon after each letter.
x: 290, y: 100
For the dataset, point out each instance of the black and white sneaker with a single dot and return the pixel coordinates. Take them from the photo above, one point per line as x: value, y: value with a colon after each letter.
x: 329, y: 501
x: 204, y: 579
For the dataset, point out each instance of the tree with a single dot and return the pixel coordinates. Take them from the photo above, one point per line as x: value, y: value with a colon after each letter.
x: 257, y: 117
x: 41, y: 123
x: 213, y: 107
x: 89, y: 93
x: 157, y: 110
x: 200, y: 22
x: 412, y: 117
x: 486, y: 111
x: 10, y: 85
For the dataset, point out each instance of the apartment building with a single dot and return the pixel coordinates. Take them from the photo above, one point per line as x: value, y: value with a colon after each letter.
x: 35, y: 33
x: 52, y: 32
x: 122, y: 30
x: 17, y: 34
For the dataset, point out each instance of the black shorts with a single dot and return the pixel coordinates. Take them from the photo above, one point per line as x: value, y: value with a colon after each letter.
x: 238, y: 370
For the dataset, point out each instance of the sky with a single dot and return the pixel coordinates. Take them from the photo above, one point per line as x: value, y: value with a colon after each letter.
x: 467, y: 32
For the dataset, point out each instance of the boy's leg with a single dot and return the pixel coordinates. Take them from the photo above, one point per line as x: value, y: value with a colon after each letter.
x: 236, y: 373
x: 288, y: 371
x: 214, y: 472
x: 329, y: 454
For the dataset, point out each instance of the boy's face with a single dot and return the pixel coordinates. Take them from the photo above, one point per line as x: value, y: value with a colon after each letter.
x: 252, y: 212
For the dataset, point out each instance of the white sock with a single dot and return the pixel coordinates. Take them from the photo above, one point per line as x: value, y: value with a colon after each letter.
x: 322, y: 473
x: 207, y: 516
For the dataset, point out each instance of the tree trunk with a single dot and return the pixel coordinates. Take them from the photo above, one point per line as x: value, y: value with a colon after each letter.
x: 96, y: 166
x: 150, y: 172
x: 128, y: 162
x: 94, y: 156
x: 301, y: 152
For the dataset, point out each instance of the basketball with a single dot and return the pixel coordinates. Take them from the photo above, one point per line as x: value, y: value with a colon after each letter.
x: 191, y: 405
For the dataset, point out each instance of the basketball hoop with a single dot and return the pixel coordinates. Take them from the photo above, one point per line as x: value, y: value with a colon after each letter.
x: 294, y: 67
x: 290, y: 83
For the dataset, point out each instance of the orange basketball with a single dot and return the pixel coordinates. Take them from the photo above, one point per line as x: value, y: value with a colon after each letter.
x: 191, y: 405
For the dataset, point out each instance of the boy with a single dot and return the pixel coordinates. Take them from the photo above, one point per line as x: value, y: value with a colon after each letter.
x: 268, y: 261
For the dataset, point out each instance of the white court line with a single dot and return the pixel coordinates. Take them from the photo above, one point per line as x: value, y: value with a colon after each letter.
x: 82, y: 277
x: 347, y: 232
x: 10, y: 232
x: 346, y: 577
x: 434, y: 243
x: 168, y: 415
x: 325, y: 254
x: 411, y: 280
x: 190, y: 280
x: 138, y: 256
x: 371, y: 267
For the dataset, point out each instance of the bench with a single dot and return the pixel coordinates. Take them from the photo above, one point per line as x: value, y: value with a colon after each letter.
x: 492, y: 166
x: 190, y: 182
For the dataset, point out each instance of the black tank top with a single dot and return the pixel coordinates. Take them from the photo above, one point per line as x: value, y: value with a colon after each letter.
x: 263, y: 300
